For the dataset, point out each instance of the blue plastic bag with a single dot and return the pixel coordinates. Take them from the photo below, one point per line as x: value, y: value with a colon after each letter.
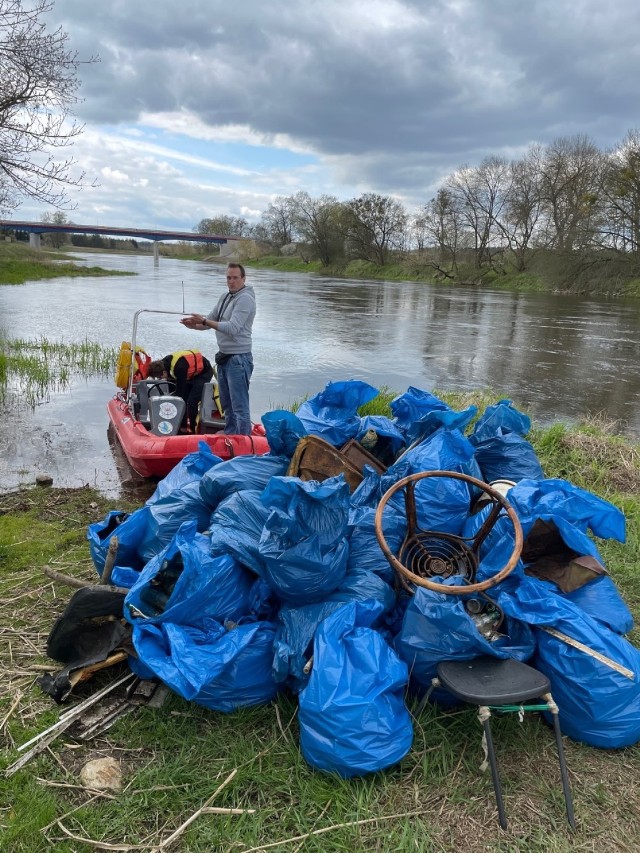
x: 208, y: 586
x: 442, y: 503
x: 190, y: 469
x: 369, y: 492
x: 283, y: 430
x: 213, y: 666
x: 236, y: 527
x: 130, y: 529
x: 362, y: 585
x: 597, y: 685
x: 419, y: 414
x: 556, y: 499
x: 500, y: 419
x: 303, y: 546
x: 166, y: 516
x: 364, y: 549
x: 601, y: 599
x: 239, y: 474
x: 432, y: 421
x: 352, y: 715
x: 437, y: 627
x: 413, y: 405
x: 332, y: 414
x: 293, y: 644
x: 507, y: 456
x: 444, y: 450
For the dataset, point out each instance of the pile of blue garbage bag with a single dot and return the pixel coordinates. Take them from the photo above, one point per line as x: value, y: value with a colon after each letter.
x: 244, y: 581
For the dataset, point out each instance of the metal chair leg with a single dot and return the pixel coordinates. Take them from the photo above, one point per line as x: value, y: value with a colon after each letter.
x: 564, y: 775
x: 484, y: 715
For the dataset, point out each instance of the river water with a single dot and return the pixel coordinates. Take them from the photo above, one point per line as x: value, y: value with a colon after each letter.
x: 559, y: 357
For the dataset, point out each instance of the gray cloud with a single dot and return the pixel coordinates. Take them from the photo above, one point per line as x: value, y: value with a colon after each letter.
x: 394, y: 93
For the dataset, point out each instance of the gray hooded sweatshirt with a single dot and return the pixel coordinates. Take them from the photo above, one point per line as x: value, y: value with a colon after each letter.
x: 235, y: 313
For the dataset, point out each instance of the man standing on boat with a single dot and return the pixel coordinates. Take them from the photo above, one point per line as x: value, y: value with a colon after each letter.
x: 189, y: 369
x: 232, y: 321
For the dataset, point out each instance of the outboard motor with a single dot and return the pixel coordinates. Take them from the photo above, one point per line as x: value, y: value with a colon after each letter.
x: 166, y: 414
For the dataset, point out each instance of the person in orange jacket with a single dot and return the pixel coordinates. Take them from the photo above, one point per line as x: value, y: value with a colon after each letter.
x: 190, y: 370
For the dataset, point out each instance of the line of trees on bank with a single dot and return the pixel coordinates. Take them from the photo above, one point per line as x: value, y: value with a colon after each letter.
x: 567, y: 198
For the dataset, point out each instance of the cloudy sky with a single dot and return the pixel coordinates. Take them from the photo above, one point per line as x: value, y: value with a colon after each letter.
x: 202, y: 107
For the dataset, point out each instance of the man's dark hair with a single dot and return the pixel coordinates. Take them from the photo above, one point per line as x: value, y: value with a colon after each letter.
x: 156, y: 369
x: 237, y: 267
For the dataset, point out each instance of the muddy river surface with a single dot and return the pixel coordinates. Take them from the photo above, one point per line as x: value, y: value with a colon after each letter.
x: 558, y: 356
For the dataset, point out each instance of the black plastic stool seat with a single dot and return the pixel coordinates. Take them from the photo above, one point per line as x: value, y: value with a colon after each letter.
x: 491, y: 681
x: 487, y: 681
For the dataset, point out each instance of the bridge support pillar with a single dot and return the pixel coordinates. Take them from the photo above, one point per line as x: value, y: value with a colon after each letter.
x: 34, y: 241
x: 156, y: 254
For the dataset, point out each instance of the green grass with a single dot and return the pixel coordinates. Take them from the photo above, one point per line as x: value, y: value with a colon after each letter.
x: 174, y: 758
x: 29, y: 370
x: 19, y: 263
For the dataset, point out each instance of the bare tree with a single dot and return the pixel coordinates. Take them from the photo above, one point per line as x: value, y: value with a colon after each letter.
x: 38, y: 90
x: 518, y: 219
x: 570, y: 174
x: 478, y: 193
x: 441, y: 224
x: 375, y: 225
x: 621, y: 193
x: 317, y: 221
x: 277, y: 222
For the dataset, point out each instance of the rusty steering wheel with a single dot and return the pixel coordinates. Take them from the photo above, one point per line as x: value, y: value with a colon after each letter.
x: 426, y: 554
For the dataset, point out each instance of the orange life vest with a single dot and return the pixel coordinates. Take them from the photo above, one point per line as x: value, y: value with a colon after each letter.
x: 195, y: 362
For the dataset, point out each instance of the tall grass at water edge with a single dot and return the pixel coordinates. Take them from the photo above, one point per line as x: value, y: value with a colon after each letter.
x: 30, y: 369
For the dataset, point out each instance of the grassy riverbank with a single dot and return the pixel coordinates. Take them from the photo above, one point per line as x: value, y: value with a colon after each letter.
x: 544, y: 276
x: 408, y: 270
x: 176, y: 757
x: 19, y: 263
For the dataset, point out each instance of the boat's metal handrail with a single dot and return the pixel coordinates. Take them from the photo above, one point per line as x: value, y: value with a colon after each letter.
x: 133, y: 339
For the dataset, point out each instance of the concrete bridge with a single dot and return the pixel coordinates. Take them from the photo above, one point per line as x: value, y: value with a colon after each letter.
x: 35, y: 229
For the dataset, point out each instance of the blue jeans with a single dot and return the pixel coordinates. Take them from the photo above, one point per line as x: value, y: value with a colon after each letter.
x: 233, y: 383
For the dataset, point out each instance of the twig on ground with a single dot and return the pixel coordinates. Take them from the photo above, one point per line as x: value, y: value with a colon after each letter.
x: 326, y: 829
x: 220, y: 810
x: 101, y: 845
x: 76, y: 583
x: 316, y: 822
x: 179, y: 831
x: 93, y: 791
x: 14, y: 705
x: 279, y: 721
x: 96, y: 796
x: 110, y: 561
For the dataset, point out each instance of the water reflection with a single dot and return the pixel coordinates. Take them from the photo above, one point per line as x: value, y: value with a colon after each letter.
x: 559, y: 356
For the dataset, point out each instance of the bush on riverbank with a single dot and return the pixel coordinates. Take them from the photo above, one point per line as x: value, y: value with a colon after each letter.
x: 20, y: 263
x: 174, y: 758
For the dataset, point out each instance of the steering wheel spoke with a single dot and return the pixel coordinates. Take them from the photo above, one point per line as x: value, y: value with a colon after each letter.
x: 160, y: 386
x: 428, y: 556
